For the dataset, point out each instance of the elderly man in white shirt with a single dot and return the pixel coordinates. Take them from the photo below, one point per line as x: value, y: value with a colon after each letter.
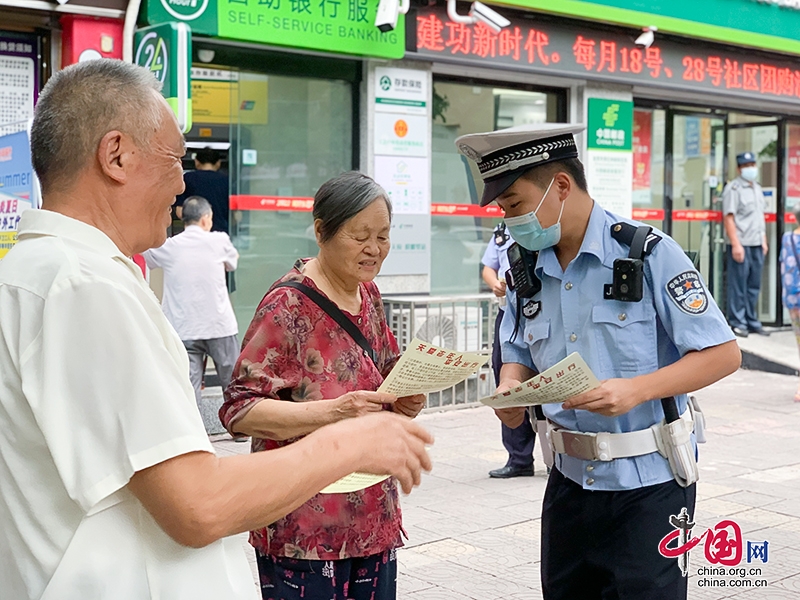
x: 196, y: 298
x: 109, y: 487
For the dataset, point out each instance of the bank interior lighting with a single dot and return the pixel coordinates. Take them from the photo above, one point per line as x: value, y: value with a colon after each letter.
x: 478, y: 13
x: 647, y: 37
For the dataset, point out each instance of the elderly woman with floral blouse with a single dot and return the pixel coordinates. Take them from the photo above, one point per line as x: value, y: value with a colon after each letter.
x: 298, y: 371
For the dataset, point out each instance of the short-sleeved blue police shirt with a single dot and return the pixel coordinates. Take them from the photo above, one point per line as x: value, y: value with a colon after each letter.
x: 616, y: 339
x: 495, y: 257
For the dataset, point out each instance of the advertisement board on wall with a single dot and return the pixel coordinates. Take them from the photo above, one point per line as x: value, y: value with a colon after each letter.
x: 166, y: 50
x: 642, y: 144
x: 19, y: 80
x: 609, y: 160
x: 793, y: 166
x: 219, y: 93
x: 402, y: 165
x: 17, y: 187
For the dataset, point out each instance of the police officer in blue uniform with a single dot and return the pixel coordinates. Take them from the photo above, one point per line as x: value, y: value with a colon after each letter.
x: 519, y: 442
x: 619, y: 472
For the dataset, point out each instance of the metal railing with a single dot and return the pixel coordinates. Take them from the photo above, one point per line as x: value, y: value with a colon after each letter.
x: 462, y: 323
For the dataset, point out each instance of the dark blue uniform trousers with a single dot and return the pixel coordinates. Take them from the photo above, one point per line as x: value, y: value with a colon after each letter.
x: 603, y: 545
x: 518, y: 442
x: 744, y: 285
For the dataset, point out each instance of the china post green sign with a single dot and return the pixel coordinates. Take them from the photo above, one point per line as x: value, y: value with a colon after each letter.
x: 166, y: 51
x: 345, y: 26
x: 610, y: 124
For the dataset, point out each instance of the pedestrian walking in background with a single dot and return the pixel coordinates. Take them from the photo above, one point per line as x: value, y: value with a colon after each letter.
x: 519, y: 442
x: 790, y: 274
x: 745, y: 231
x: 300, y: 369
x: 109, y: 486
x: 195, y: 298
x: 208, y: 181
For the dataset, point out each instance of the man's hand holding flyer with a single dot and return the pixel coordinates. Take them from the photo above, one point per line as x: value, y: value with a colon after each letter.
x: 565, y: 379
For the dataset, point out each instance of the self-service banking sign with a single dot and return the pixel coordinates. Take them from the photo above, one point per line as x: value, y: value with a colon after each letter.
x: 343, y: 26
x: 166, y: 50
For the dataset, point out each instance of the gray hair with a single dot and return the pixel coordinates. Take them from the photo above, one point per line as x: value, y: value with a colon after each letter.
x: 796, y: 212
x: 194, y: 209
x: 340, y: 199
x: 82, y: 103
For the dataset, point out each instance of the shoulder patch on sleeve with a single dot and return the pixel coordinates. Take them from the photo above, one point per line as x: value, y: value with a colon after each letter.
x: 687, y: 292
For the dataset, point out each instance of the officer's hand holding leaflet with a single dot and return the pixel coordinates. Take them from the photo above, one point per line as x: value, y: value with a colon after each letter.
x: 614, y: 397
x: 515, y: 416
x: 562, y: 381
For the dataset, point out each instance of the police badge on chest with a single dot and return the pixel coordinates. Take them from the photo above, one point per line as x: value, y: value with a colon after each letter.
x: 531, y: 308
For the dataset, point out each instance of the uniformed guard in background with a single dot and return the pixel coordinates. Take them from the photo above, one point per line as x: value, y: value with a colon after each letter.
x: 519, y: 442
x: 746, y: 236
x: 622, y: 469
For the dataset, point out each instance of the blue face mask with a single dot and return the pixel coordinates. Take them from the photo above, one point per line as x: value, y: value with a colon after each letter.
x: 749, y: 173
x: 529, y: 233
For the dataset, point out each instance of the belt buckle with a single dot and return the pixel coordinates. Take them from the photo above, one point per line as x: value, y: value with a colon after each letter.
x: 580, y: 445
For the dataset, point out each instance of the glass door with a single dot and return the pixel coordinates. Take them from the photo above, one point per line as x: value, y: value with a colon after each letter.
x: 791, y: 177
x: 759, y: 135
x: 288, y: 136
x: 648, y: 165
x: 694, y: 181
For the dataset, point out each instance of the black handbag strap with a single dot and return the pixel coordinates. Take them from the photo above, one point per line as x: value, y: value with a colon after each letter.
x: 335, y: 313
x: 794, y: 248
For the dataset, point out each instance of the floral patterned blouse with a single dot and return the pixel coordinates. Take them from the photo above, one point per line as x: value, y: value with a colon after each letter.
x: 293, y: 351
x: 790, y: 270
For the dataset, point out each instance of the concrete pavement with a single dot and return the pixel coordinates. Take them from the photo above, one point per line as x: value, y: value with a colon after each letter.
x: 474, y: 538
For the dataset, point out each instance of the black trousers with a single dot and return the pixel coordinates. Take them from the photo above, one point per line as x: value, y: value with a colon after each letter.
x: 518, y: 442
x: 601, y: 545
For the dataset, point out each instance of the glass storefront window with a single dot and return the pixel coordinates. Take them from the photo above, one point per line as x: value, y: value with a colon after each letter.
x: 761, y: 140
x: 458, y: 243
x: 648, y: 164
x: 288, y: 136
x: 792, y: 184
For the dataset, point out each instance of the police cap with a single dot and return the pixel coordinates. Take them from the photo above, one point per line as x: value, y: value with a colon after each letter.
x: 503, y: 156
x: 745, y: 158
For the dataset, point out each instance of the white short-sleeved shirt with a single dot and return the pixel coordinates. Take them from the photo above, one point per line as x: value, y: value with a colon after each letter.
x: 196, y: 298
x: 94, y: 387
x: 745, y: 201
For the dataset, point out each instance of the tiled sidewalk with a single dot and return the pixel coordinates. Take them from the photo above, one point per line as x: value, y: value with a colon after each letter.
x: 471, y: 537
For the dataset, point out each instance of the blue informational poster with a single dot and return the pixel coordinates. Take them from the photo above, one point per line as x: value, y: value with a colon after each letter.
x: 692, y: 137
x: 17, y: 186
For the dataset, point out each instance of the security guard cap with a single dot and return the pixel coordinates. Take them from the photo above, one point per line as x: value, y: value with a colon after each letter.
x: 503, y: 156
x: 745, y: 158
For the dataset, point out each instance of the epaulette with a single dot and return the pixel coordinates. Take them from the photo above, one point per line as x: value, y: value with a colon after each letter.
x: 500, y: 234
x: 623, y: 232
